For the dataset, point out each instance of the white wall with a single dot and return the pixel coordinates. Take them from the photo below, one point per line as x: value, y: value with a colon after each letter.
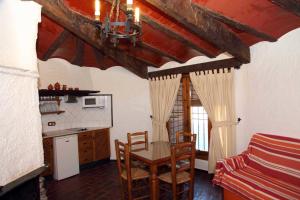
x: 131, y: 101
x: 268, y: 90
x: 18, y: 22
x: 21, y: 148
x: 59, y: 70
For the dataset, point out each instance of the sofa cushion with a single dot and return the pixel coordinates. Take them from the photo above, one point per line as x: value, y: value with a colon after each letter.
x: 277, y: 156
x: 253, y: 184
x: 268, y: 169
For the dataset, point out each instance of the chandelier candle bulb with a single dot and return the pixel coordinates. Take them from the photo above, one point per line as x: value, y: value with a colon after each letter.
x: 97, y: 9
x: 129, y: 4
x: 137, y: 15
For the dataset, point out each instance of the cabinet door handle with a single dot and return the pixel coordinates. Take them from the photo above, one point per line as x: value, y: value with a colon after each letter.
x: 67, y: 141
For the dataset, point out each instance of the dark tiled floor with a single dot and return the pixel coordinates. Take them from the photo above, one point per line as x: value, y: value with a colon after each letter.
x: 102, y: 182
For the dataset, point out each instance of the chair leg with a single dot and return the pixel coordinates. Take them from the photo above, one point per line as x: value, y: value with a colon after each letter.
x: 129, y: 188
x: 122, y: 190
x: 191, y: 190
x: 158, y: 191
x: 174, y: 191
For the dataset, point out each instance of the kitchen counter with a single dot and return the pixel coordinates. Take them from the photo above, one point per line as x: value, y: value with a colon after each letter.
x: 93, y: 145
x: 70, y: 131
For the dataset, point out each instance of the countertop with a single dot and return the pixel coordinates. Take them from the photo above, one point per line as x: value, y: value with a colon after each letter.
x: 70, y: 131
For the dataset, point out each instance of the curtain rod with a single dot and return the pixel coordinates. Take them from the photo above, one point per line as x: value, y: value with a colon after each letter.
x: 219, y: 64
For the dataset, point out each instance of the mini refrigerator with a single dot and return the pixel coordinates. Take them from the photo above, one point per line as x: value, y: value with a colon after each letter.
x: 66, y: 160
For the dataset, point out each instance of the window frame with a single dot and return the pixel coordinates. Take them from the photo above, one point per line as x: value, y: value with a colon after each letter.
x: 187, y: 105
x: 203, y: 155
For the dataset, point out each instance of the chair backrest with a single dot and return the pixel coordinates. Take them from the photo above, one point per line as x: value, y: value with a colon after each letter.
x: 185, y: 137
x: 137, y: 141
x: 276, y: 155
x: 183, y: 152
x: 123, y: 158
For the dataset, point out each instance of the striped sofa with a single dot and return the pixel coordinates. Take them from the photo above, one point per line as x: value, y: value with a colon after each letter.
x: 268, y: 169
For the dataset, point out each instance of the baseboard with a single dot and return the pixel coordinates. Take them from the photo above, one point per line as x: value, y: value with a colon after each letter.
x: 93, y: 164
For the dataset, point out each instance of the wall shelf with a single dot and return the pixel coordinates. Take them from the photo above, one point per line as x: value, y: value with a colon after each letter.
x: 50, y: 99
x: 77, y: 93
x: 54, y: 112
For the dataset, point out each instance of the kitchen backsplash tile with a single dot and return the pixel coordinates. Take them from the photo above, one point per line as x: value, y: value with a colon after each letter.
x: 76, y: 116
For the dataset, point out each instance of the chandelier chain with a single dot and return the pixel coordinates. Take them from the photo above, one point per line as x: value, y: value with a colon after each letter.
x: 115, y: 4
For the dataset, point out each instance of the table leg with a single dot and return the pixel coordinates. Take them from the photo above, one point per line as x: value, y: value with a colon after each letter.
x: 154, y: 183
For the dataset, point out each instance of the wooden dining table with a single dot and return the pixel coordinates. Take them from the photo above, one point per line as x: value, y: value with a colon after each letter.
x: 156, y: 154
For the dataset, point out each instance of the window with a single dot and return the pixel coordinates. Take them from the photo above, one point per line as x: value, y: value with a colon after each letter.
x: 175, y: 123
x: 189, y: 115
x: 199, y: 120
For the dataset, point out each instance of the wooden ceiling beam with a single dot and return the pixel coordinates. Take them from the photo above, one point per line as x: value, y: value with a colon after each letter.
x: 202, y: 24
x: 104, y: 62
x: 235, y: 24
x: 86, y: 29
x: 219, y: 64
x: 292, y: 6
x: 77, y: 60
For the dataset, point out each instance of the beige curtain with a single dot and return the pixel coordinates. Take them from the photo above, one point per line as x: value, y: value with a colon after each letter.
x: 215, y: 91
x: 163, y: 93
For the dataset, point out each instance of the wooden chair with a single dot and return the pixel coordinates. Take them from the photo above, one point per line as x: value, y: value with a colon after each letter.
x: 138, y: 141
x: 129, y: 174
x: 181, y: 174
x: 185, y: 137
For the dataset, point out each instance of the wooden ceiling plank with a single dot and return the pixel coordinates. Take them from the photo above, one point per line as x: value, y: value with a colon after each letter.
x: 162, y: 53
x: 99, y: 58
x: 292, y: 6
x: 86, y: 29
x: 164, y: 29
x: 57, y: 43
x: 219, y: 64
x: 235, y: 24
x: 202, y: 24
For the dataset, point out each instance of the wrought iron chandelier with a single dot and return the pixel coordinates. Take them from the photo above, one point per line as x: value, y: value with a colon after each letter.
x: 113, y: 29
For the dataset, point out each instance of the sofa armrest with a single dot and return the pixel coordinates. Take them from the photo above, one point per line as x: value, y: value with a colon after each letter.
x: 229, y: 165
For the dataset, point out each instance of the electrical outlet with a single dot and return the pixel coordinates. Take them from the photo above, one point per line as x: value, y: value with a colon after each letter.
x: 51, y: 123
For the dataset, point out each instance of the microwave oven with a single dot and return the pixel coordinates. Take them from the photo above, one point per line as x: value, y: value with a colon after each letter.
x: 93, y: 101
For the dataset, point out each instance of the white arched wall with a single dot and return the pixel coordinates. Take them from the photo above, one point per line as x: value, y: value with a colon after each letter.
x: 268, y: 90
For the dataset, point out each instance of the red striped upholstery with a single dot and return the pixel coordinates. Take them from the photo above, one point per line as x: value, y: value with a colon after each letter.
x: 269, y: 169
